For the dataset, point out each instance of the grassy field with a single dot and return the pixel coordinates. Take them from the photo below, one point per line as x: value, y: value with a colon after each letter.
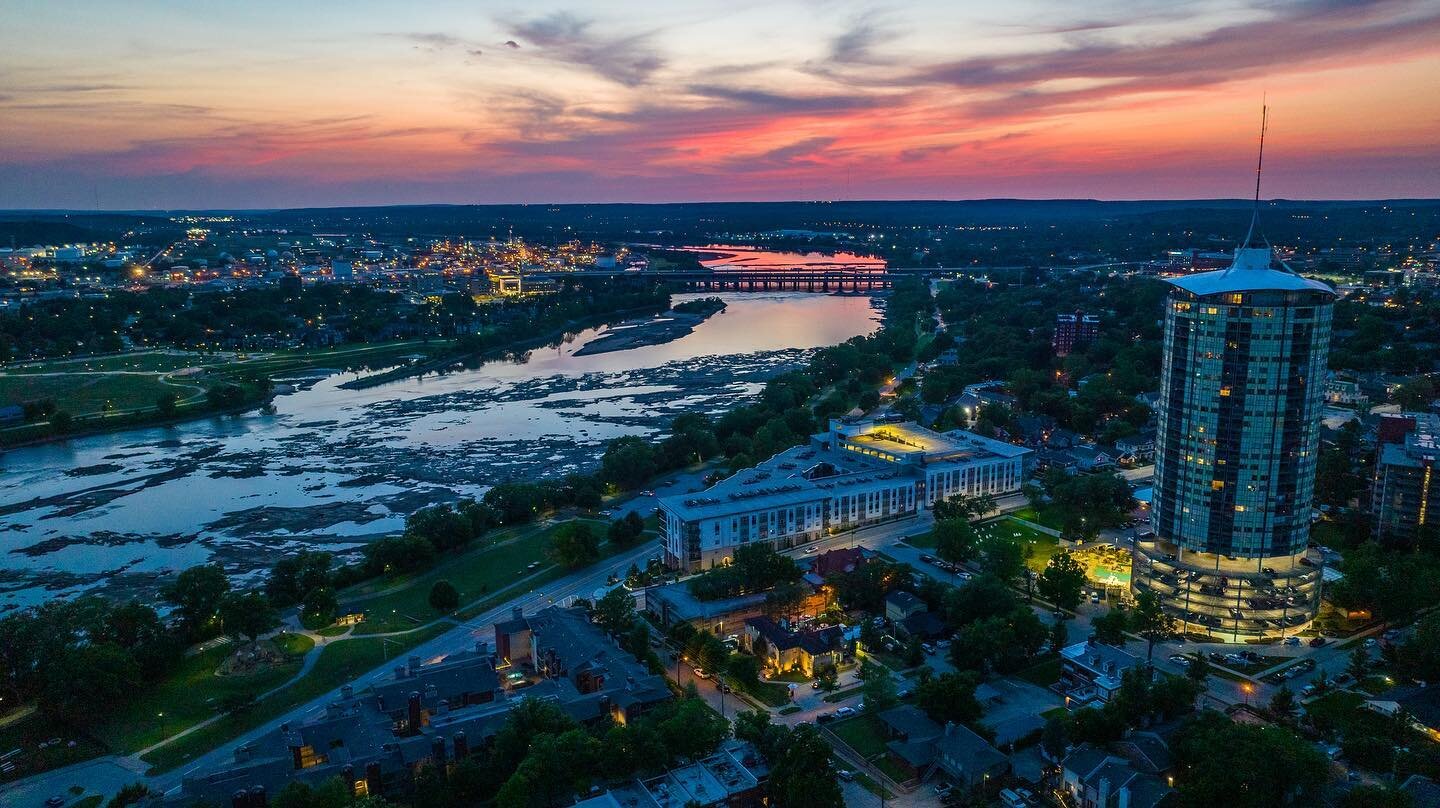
x: 841, y: 695
x: 192, y: 694
x: 339, y: 662
x: 28, y: 733
x: 475, y: 574
x: 1045, y: 516
x: 144, y: 362
x: 1042, y: 545
x: 88, y: 393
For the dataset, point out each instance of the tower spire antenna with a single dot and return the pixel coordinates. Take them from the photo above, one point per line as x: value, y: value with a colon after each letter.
x: 1259, y: 165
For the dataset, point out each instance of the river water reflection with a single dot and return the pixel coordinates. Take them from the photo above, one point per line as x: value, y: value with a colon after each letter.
x: 334, y: 467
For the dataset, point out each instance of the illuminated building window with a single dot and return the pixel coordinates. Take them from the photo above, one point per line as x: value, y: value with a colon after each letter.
x: 1217, y: 485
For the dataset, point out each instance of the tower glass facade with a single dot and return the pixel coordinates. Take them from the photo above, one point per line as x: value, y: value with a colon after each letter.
x: 1239, y: 417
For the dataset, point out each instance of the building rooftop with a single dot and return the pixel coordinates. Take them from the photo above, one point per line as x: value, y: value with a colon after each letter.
x: 1251, y: 271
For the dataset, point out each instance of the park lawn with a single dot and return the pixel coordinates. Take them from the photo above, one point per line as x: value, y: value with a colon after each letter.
x: 192, y: 694
x: 26, y: 734
x: 1046, y: 515
x: 1042, y: 674
x: 475, y: 574
x: 333, y: 631
x: 143, y: 362
x: 87, y: 394
x: 339, y: 663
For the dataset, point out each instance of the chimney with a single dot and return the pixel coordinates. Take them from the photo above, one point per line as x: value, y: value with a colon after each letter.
x: 516, y: 613
x: 462, y: 746
x: 949, y: 728
x: 412, y: 720
x: 482, y: 648
x: 414, y: 664
x: 240, y: 799
x: 347, y: 691
x: 399, y: 671
x: 437, y: 750
x: 372, y: 777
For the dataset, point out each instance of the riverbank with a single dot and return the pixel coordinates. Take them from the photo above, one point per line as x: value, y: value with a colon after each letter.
x: 460, y: 359
x: 658, y: 330
x: 120, y: 392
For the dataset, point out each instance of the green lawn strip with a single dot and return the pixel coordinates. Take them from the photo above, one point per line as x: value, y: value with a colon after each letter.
x: 333, y: 631
x: 1048, y: 516
x: 26, y: 734
x: 789, y: 709
x: 842, y: 695
x: 771, y: 694
x: 475, y: 574
x: 790, y: 676
x: 1042, y: 674
x: 1054, y: 712
x: 339, y: 662
x: 86, y: 394
x: 923, y: 541
x: 293, y: 644
x: 193, y: 693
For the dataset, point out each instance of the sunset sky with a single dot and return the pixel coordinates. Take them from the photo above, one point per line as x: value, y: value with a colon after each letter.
x: 207, y: 104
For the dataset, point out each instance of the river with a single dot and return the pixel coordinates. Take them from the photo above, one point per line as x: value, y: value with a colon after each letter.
x: 332, y: 468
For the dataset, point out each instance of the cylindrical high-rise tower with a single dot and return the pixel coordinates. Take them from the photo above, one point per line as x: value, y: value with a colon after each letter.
x: 1239, y: 422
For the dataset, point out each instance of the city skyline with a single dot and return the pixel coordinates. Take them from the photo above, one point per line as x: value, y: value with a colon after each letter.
x: 160, y: 106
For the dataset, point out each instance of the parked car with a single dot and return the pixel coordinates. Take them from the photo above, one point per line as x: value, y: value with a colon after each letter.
x: 926, y: 557
x: 700, y: 674
x: 1292, y: 641
x: 845, y: 774
x: 1318, y: 642
x: 844, y: 712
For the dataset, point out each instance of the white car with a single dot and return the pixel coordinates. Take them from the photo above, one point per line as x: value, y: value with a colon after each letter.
x: 844, y: 712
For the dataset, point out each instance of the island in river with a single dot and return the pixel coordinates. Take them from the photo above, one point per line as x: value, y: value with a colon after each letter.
x: 665, y: 327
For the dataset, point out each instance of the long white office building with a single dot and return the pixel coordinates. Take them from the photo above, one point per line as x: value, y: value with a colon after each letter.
x: 855, y: 474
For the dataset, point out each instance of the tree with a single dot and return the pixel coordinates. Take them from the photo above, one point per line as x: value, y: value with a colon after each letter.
x: 745, y: 668
x: 828, y: 678
x: 129, y: 795
x: 1062, y: 580
x: 949, y: 698
x: 802, y: 775
x: 293, y: 577
x: 197, y: 593
x: 785, y: 600
x: 1002, y: 557
x: 1359, y: 666
x: 1149, y: 620
x: 89, y: 683
x: 1055, y: 737
x: 1376, y: 795
x: 61, y: 422
x: 1246, y: 766
x: 247, y: 614
x: 692, y: 730
x: 1110, y: 627
x: 1198, y: 671
x: 878, y: 687
x: 1283, y: 705
x: 320, y: 606
x: 955, y: 540
x: 444, y: 597
x: 615, y: 612
x: 575, y: 545
x: 628, y: 462
x: 625, y: 530
x: 165, y: 404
